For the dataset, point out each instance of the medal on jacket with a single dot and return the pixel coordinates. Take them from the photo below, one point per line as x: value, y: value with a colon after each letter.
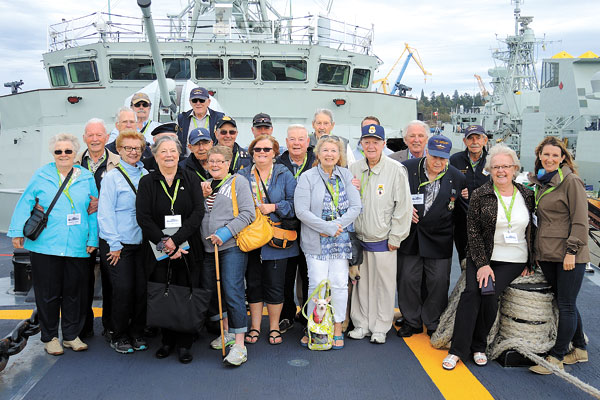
x: 452, y: 199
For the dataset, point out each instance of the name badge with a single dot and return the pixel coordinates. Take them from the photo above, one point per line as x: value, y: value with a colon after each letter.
x: 172, y: 221
x: 485, y: 173
x: 73, y: 219
x: 510, y: 237
x: 535, y: 220
x: 417, y: 199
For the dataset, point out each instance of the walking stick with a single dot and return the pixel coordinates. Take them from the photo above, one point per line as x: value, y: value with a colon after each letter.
x: 219, y: 298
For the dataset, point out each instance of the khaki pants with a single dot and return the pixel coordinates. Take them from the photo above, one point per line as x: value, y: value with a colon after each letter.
x: 374, y: 294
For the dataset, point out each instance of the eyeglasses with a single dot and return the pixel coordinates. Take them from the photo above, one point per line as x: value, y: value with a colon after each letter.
x: 198, y: 100
x: 225, y: 132
x: 217, y: 162
x: 263, y: 149
x: 59, y: 152
x: 504, y: 167
x: 130, y: 149
x: 142, y: 104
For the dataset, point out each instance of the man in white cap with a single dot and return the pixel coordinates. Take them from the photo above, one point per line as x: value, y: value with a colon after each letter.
x: 140, y: 103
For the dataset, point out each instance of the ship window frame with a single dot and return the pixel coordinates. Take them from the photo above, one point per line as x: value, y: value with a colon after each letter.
x: 368, y: 79
x: 63, y: 76
x: 132, y: 59
x: 74, y: 72
x: 303, y: 69
x: 188, y: 67
x: 250, y: 60
x: 345, y: 78
x: 550, y: 71
x: 220, y: 67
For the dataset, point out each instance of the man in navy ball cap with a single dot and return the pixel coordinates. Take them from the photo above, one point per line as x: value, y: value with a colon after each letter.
x: 200, y: 116
x: 199, y: 144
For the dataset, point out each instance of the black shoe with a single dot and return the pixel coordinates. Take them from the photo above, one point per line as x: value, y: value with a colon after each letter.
x: 285, y: 325
x: 122, y: 346
x: 408, y: 331
x: 150, y: 331
x: 185, y: 356
x: 163, y: 351
x: 139, y: 344
x: 430, y: 332
x: 108, y: 335
x: 399, y: 322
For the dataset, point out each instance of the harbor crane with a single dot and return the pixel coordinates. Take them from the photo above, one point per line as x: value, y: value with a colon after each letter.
x: 412, y: 54
x: 484, y: 93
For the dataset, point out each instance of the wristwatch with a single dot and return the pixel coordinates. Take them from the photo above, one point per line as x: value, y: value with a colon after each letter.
x: 572, y: 252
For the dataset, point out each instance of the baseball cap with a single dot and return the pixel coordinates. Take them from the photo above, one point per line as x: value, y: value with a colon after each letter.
x: 199, y: 93
x: 262, y: 119
x: 199, y: 134
x: 474, y: 129
x: 439, y: 146
x: 169, y: 127
x: 140, y: 97
x: 373, y: 130
x: 225, y: 120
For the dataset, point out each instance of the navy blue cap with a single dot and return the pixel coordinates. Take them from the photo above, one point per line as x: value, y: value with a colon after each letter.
x: 474, y: 129
x: 199, y: 93
x: 169, y: 127
x: 199, y: 134
x: 373, y: 130
x: 439, y: 146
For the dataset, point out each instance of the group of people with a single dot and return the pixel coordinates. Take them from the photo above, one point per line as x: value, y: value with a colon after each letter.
x: 186, y: 190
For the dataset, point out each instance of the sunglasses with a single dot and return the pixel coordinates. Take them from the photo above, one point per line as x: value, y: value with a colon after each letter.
x: 59, y: 152
x: 263, y: 149
x: 142, y: 104
x: 262, y: 121
x: 198, y: 100
x: 225, y: 132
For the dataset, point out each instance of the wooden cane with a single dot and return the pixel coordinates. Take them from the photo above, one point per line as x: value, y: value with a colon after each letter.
x: 219, y: 298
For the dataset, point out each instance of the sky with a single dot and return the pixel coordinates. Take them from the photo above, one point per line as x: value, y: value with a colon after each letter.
x: 454, y: 38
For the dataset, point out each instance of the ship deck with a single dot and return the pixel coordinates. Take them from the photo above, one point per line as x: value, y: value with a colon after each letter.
x: 401, y: 368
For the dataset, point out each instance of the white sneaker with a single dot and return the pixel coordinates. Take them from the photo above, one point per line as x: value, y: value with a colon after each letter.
x: 378, y: 337
x: 53, y: 347
x: 217, y: 344
x: 359, y: 333
x: 75, y: 344
x: 237, y: 355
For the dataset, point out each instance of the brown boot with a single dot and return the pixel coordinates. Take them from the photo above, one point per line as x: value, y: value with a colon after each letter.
x: 576, y: 355
x: 538, y: 369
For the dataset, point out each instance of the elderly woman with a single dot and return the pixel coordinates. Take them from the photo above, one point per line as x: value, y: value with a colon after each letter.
x: 221, y: 223
x: 561, y: 248
x: 326, y: 203
x: 273, y: 188
x: 499, y: 233
x: 169, y: 209
x: 121, y: 244
x: 59, y: 255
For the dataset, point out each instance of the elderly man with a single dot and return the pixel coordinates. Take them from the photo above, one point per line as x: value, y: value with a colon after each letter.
x: 323, y: 124
x: 140, y: 103
x: 298, y: 158
x: 383, y: 224
x: 262, y: 125
x: 470, y: 162
x: 359, y: 154
x: 427, y: 252
x: 199, y: 144
x: 125, y: 118
x: 415, y: 137
x: 226, y: 133
x: 98, y: 160
x: 200, y: 116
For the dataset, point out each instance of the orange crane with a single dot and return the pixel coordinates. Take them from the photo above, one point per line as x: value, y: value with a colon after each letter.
x: 484, y: 93
x: 412, y: 53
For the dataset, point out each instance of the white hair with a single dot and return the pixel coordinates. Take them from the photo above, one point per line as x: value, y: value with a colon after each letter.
x: 95, y: 121
x: 298, y: 127
x: 325, y: 111
x: 417, y: 123
x: 498, y: 150
x: 125, y: 109
x: 63, y: 137
x: 164, y: 139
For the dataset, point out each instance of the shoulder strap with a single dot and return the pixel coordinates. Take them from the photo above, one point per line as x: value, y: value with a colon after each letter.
x: 263, y: 185
x: 60, y: 189
x: 128, y: 180
x: 234, y: 199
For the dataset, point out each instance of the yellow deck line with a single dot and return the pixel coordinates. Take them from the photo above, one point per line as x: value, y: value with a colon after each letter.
x: 24, y: 314
x: 458, y: 384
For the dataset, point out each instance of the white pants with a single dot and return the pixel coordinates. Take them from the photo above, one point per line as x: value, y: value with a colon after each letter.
x: 337, y: 273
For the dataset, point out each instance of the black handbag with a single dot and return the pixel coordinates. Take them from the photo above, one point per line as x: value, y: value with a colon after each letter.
x: 357, y: 250
x: 36, y: 223
x: 178, y: 308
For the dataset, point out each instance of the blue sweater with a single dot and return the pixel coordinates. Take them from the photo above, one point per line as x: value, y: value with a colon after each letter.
x: 57, y: 238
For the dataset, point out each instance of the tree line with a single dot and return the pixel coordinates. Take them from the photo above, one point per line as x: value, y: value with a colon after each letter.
x: 445, y: 104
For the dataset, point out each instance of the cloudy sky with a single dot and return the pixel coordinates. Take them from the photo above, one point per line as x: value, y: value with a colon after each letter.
x: 454, y: 38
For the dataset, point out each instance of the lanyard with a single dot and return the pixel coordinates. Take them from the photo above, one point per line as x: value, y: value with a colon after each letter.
x: 335, y: 196
x: 537, y: 199
x: 437, y: 178
x: 362, y: 186
x: 143, y: 132
x: 220, y: 184
x: 237, y: 155
x: 66, y: 189
x: 297, y: 174
x: 205, y: 124
x: 200, y: 175
x: 259, y: 183
x: 98, y: 163
x: 125, y: 172
x: 174, y: 194
x: 507, y: 211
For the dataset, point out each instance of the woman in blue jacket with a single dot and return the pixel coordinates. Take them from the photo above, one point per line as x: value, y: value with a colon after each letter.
x: 273, y: 187
x: 59, y: 256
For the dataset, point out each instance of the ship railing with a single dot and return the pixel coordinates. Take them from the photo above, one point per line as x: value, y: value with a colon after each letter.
x: 307, y: 30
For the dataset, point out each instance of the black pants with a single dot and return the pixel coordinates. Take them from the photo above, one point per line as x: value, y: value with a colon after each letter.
x: 265, y: 279
x: 476, y: 314
x: 60, y: 286
x: 128, y: 284
x: 294, y: 264
x: 87, y: 312
x: 566, y: 286
x: 106, y: 286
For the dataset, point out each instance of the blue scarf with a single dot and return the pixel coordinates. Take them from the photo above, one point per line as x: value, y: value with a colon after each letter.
x: 545, y: 177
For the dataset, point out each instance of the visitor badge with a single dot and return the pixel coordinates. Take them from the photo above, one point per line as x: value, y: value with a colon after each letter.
x: 73, y: 219
x: 510, y: 237
x: 417, y: 199
x: 535, y: 220
x: 172, y: 221
x: 485, y: 173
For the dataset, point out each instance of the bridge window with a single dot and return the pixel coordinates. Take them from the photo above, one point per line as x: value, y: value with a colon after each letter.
x: 549, y: 74
x: 177, y: 68
x: 242, y: 69
x: 135, y: 69
x: 333, y: 74
x: 83, y: 71
x: 361, y: 78
x: 209, y: 68
x: 58, y: 76
x: 283, y: 70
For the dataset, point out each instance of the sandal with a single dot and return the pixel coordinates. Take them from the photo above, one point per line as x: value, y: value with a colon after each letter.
x: 335, y: 338
x: 251, y: 339
x: 450, y: 362
x: 480, y: 359
x: 273, y: 338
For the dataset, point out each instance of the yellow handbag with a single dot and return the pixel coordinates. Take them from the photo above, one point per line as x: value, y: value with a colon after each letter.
x: 255, y: 235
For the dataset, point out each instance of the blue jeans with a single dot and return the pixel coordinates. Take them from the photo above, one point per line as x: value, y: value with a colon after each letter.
x: 566, y: 286
x: 232, y: 265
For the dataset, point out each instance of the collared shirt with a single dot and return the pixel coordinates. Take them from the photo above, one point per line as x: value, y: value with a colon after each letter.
x: 116, y: 207
x: 196, y: 122
x: 431, y: 191
x: 90, y: 164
